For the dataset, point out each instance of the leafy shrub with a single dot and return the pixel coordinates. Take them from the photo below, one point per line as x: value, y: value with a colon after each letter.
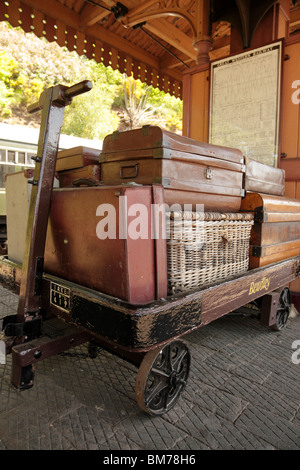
x: 29, y: 64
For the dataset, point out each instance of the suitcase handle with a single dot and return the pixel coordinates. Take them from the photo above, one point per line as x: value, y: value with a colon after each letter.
x: 84, y: 182
x: 129, y: 171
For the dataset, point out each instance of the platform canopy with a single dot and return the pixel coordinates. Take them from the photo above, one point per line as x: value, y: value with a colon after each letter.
x: 155, y: 40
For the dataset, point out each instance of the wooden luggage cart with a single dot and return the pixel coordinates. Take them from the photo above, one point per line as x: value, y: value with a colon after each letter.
x: 55, y: 314
x: 148, y: 336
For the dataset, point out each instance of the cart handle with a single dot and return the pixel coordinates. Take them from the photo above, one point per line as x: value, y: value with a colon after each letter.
x: 64, y: 94
x: 78, y: 89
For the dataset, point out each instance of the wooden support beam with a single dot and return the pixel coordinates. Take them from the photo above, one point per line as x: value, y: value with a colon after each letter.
x: 169, y: 62
x: 55, y: 9
x: 173, y: 36
x: 295, y: 19
x: 150, y: 10
x: 123, y: 45
x: 91, y: 15
x: 71, y: 19
x: 203, y: 41
x: 76, y: 27
x: 202, y: 19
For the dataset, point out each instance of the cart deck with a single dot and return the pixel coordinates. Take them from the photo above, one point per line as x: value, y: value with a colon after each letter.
x: 143, y: 335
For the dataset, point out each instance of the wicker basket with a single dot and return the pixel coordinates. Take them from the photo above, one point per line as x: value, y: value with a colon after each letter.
x: 204, y: 248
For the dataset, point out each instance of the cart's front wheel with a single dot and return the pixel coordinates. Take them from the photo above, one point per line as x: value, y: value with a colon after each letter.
x: 162, y: 377
x: 283, y: 310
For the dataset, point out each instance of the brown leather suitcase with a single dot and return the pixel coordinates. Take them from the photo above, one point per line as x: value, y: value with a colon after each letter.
x: 86, y: 247
x: 275, y: 235
x: 264, y: 203
x: 152, y: 141
x: 264, y: 178
x: 211, y: 202
x: 191, y: 172
x: 76, y: 157
x: 272, y: 233
x: 264, y: 255
x: 87, y: 175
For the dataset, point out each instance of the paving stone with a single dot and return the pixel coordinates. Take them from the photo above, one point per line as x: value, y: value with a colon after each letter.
x: 215, y: 432
x: 190, y: 443
x: 209, y: 372
x: 24, y: 429
x: 83, y: 430
x: 6, y: 309
x: 220, y: 403
x: 10, y: 300
x: 254, y: 373
x: 280, y: 433
x: 287, y: 387
x: 296, y: 419
x: 263, y: 397
x: 149, y: 433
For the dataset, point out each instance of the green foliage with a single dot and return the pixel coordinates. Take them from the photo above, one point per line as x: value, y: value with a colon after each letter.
x: 141, y: 104
x: 168, y: 108
x: 8, y: 72
x: 8, y: 68
x: 137, y: 110
x: 4, y: 100
x: 29, y: 64
x: 90, y: 115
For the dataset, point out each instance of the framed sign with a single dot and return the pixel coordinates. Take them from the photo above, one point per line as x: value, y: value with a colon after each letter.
x: 245, y: 102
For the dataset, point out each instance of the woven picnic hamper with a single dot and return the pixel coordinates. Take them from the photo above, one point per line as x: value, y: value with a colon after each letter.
x: 204, y: 248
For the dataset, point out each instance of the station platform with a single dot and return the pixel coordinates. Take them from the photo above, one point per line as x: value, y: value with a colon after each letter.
x: 242, y: 394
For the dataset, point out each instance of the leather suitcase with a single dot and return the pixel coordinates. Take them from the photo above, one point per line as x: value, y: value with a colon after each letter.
x: 88, y: 175
x: 84, y: 246
x: 190, y: 172
x: 272, y: 233
x: 264, y: 255
x: 264, y: 178
x: 211, y: 202
x: 76, y: 157
x: 275, y: 235
x: 152, y: 141
x: 261, y: 204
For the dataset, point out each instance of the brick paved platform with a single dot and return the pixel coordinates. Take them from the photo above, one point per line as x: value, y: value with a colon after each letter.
x: 243, y: 393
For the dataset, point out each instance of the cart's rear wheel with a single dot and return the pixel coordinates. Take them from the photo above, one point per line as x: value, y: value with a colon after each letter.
x: 162, y: 377
x: 283, y: 310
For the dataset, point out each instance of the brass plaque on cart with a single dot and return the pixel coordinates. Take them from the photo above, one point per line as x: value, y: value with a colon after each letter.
x: 60, y: 296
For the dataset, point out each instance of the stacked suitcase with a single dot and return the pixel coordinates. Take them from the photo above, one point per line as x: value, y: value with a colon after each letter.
x: 88, y: 241
x: 185, y: 173
x: 276, y: 232
x: 190, y: 172
x: 78, y: 165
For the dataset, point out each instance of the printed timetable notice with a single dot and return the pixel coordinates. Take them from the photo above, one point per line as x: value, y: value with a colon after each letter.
x: 245, y: 101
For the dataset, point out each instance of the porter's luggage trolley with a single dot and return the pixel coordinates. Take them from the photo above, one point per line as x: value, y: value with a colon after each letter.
x: 136, y: 297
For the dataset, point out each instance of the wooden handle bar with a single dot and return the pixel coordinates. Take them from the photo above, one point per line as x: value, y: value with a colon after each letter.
x: 67, y: 93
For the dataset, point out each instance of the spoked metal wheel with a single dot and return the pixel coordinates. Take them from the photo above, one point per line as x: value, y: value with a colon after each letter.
x: 162, y: 377
x: 283, y: 310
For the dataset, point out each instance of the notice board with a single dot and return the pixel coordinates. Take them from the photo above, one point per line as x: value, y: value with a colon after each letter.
x: 245, y: 102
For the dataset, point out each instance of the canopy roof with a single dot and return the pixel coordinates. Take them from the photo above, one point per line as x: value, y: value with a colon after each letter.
x: 155, y: 40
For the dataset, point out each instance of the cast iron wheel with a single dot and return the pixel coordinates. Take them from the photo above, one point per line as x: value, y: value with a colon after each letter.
x: 283, y: 310
x: 162, y: 377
